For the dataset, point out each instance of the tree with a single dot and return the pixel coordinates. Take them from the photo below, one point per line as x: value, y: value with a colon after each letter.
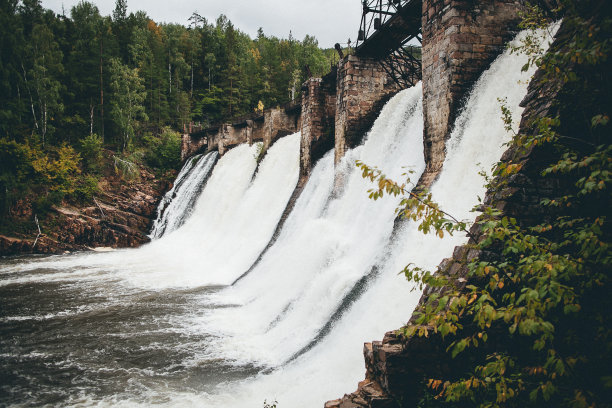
x: 12, y: 92
x: 45, y: 85
x: 127, y: 99
x: 120, y: 11
x: 83, y: 69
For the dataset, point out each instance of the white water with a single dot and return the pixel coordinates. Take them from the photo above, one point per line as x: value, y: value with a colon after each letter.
x: 325, y: 248
x: 175, y: 207
x: 235, y: 214
x: 476, y: 143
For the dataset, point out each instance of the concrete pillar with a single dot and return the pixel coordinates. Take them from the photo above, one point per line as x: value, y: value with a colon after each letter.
x: 460, y: 40
x: 318, y: 119
x: 185, y: 146
x: 363, y: 87
x: 249, y: 132
x: 224, y: 134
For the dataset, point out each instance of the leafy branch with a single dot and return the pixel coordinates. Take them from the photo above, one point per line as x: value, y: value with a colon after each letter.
x: 416, y: 206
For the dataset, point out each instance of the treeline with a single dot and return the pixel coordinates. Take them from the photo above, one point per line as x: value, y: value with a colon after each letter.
x: 84, y: 81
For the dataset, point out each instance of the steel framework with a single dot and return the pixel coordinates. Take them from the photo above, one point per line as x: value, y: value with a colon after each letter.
x: 387, y: 26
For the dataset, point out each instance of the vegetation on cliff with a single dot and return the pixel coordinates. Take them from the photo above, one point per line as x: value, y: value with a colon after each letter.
x: 529, y: 323
x: 84, y: 97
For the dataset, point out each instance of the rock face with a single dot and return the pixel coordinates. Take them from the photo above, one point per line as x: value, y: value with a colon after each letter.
x: 120, y: 216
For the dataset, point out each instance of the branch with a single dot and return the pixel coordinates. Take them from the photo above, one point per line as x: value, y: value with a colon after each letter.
x: 39, y: 231
x: 392, y: 186
x: 100, y: 208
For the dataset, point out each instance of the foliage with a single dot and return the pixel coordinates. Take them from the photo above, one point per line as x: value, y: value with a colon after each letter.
x: 51, y: 176
x: 91, y: 152
x: 15, y: 169
x: 126, y: 169
x: 128, y: 97
x: 532, y: 326
x: 58, y: 170
x: 164, y: 150
x: 62, y: 77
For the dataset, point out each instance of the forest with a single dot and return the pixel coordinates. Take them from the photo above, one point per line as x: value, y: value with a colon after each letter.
x: 81, y: 92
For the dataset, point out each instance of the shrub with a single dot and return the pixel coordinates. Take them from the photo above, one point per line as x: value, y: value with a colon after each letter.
x: 15, y: 166
x: 86, y: 188
x: 91, y: 152
x: 164, y: 151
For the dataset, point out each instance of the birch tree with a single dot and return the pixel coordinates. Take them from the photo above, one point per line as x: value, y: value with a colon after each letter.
x: 127, y: 100
x: 44, y: 85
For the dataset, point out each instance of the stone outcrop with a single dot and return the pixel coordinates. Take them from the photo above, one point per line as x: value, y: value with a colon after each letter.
x: 120, y: 216
x: 460, y: 40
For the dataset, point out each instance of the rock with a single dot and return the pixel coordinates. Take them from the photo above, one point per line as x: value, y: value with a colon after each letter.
x: 120, y: 216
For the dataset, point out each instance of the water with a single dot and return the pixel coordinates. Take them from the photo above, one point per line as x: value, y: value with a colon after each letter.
x: 160, y: 325
x: 175, y: 207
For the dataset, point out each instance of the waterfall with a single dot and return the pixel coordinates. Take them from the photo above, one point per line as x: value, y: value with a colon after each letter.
x: 325, y: 250
x: 232, y: 221
x: 476, y: 143
x: 163, y: 324
x: 176, y: 205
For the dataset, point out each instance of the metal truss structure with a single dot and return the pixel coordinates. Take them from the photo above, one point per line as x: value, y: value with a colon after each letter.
x: 387, y: 26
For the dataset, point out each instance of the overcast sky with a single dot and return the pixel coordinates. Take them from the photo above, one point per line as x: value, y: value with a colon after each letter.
x: 330, y: 21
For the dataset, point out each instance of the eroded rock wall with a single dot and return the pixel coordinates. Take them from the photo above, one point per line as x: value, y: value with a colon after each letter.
x: 119, y: 216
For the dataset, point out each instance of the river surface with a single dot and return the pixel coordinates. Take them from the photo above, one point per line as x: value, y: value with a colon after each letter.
x: 74, y: 341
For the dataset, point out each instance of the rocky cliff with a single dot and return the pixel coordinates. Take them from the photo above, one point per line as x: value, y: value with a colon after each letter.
x: 119, y: 216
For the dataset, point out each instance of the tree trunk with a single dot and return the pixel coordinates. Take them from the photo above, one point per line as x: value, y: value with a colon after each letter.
x: 101, y: 90
x: 91, y: 117
x: 25, y: 77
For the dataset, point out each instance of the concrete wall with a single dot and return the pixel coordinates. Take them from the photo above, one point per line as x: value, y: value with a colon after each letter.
x: 274, y: 123
x: 460, y: 40
x: 338, y: 109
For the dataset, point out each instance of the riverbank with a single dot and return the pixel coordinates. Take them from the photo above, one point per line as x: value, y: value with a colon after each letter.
x: 120, y: 215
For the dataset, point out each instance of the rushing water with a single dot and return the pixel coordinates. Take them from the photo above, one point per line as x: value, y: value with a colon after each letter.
x: 176, y: 205
x: 163, y: 324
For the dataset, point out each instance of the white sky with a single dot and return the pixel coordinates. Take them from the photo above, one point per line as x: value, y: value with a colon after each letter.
x: 330, y: 21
